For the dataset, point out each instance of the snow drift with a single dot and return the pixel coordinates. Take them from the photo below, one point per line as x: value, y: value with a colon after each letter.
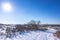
x: 31, y: 35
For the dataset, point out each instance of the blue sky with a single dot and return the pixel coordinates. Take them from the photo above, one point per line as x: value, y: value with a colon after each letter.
x: 47, y: 11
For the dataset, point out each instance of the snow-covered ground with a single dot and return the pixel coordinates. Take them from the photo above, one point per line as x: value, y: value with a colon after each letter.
x: 32, y: 35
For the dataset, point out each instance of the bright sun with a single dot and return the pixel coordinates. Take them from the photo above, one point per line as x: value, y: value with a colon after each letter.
x: 7, y: 7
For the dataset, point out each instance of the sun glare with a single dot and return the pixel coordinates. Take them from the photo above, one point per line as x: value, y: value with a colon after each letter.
x: 7, y: 7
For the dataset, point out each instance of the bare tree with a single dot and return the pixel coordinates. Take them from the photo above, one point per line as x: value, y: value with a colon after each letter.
x: 38, y: 22
x: 32, y: 22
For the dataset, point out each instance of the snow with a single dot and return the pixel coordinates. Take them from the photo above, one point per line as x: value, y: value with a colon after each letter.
x: 32, y: 35
x: 51, y: 30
